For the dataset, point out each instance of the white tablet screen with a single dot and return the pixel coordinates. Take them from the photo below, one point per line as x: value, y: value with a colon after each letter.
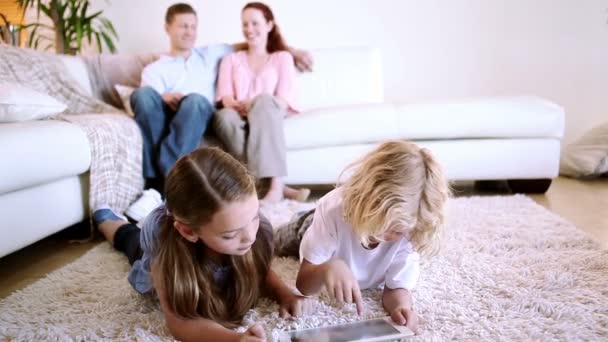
x: 346, y: 332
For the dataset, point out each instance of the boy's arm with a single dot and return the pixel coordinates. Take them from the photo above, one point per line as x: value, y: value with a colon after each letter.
x: 396, y: 298
x: 337, y: 278
x: 398, y: 303
x: 302, y: 58
x: 311, y: 278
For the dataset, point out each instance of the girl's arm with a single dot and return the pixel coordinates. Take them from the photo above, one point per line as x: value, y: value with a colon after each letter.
x: 398, y: 303
x: 290, y: 303
x: 198, y: 329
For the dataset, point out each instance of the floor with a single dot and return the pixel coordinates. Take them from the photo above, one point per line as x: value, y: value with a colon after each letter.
x: 585, y: 203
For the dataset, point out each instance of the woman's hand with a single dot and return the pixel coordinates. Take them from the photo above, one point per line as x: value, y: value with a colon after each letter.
x: 341, y: 284
x: 230, y: 102
x: 244, y: 107
x: 255, y: 333
x: 296, y: 306
x: 407, y: 317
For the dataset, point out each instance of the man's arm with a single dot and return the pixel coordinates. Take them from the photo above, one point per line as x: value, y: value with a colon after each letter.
x: 302, y: 59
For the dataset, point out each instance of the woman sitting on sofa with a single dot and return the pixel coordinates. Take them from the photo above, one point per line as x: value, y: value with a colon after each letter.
x: 255, y: 88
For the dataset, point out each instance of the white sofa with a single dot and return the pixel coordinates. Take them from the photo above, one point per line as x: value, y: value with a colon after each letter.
x: 43, y: 178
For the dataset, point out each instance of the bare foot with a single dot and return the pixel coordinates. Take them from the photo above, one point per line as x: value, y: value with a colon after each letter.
x: 300, y: 195
x: 275, y: 192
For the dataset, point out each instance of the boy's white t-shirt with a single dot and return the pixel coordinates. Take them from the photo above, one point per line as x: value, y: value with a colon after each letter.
x: 393, y: 264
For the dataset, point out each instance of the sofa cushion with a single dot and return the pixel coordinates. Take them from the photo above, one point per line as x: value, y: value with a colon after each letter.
x: 499, y: 117
x: 37, y: 152
x: 19, y: 103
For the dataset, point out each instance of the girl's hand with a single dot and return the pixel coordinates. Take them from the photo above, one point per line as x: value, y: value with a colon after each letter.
x: 341, y: 284
x: 255, y: 333
x: 407, y: 317
x: 296, y: 306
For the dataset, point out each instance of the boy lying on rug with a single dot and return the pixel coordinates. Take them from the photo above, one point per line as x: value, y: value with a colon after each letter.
x: 206, y: 252
x: 369, y: 231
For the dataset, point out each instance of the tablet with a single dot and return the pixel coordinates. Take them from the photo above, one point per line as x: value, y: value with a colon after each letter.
x: 379, y: 329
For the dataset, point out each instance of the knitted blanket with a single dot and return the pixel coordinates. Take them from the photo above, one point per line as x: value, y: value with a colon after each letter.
x: 115, y: 140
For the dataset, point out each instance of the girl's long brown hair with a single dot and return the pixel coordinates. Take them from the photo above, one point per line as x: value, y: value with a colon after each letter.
x: 275, y: 39
x: 197, y: 187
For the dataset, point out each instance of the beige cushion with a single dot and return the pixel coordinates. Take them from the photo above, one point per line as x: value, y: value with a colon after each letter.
x: 106, y: 71
x: 19, y: 103
x: 588, y: 156
x: 125, y: 95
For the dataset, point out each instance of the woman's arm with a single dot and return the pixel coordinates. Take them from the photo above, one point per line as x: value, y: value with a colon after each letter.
x: 285, y: 90
x: 225, y: 90
x: 199, y: 329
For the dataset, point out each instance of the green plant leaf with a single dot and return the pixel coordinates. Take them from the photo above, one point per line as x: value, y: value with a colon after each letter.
x: 110, y: 27
x: 79, y: 32
x: 108, y: 42
x: 61, y: 7
x: 30, y: 41
x: 45, y: 9
x: 25, y: 27
x: 95, y: 15
x: 83, y: 10
x: 89, y: 31
x: 37, y: 41
x: 98, y: 39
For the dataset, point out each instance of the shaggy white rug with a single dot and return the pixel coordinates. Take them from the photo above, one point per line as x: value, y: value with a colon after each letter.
x: 510, y: 270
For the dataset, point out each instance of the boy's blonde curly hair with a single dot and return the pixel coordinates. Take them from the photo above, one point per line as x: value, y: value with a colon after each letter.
x: 400, y: 187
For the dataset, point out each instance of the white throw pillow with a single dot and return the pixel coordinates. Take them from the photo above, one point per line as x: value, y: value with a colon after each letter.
x: 588, y: 156
x: 125, y: 94
x: 19, y: 103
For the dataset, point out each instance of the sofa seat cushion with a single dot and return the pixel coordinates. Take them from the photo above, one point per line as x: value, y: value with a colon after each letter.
x: 498, y: 117
x: 38, y: 152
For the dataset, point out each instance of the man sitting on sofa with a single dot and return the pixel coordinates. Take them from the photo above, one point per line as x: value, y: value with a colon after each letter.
x: 174, y: 105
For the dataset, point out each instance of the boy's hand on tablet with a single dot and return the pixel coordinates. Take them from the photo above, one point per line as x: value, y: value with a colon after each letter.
x: 407, y: 317
x: 341, y: 284
x: 255, y: 333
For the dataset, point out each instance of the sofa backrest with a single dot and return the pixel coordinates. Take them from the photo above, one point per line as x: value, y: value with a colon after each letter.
x: 342, y: 76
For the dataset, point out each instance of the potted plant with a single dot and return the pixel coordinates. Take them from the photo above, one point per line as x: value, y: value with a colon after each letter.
x: 72, y: 24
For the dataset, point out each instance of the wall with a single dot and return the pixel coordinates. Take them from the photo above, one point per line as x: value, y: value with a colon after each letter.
x: 434, y: 49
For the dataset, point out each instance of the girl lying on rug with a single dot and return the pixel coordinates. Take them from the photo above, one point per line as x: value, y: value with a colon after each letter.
x: 206, y: 252
x: 370, y: 231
